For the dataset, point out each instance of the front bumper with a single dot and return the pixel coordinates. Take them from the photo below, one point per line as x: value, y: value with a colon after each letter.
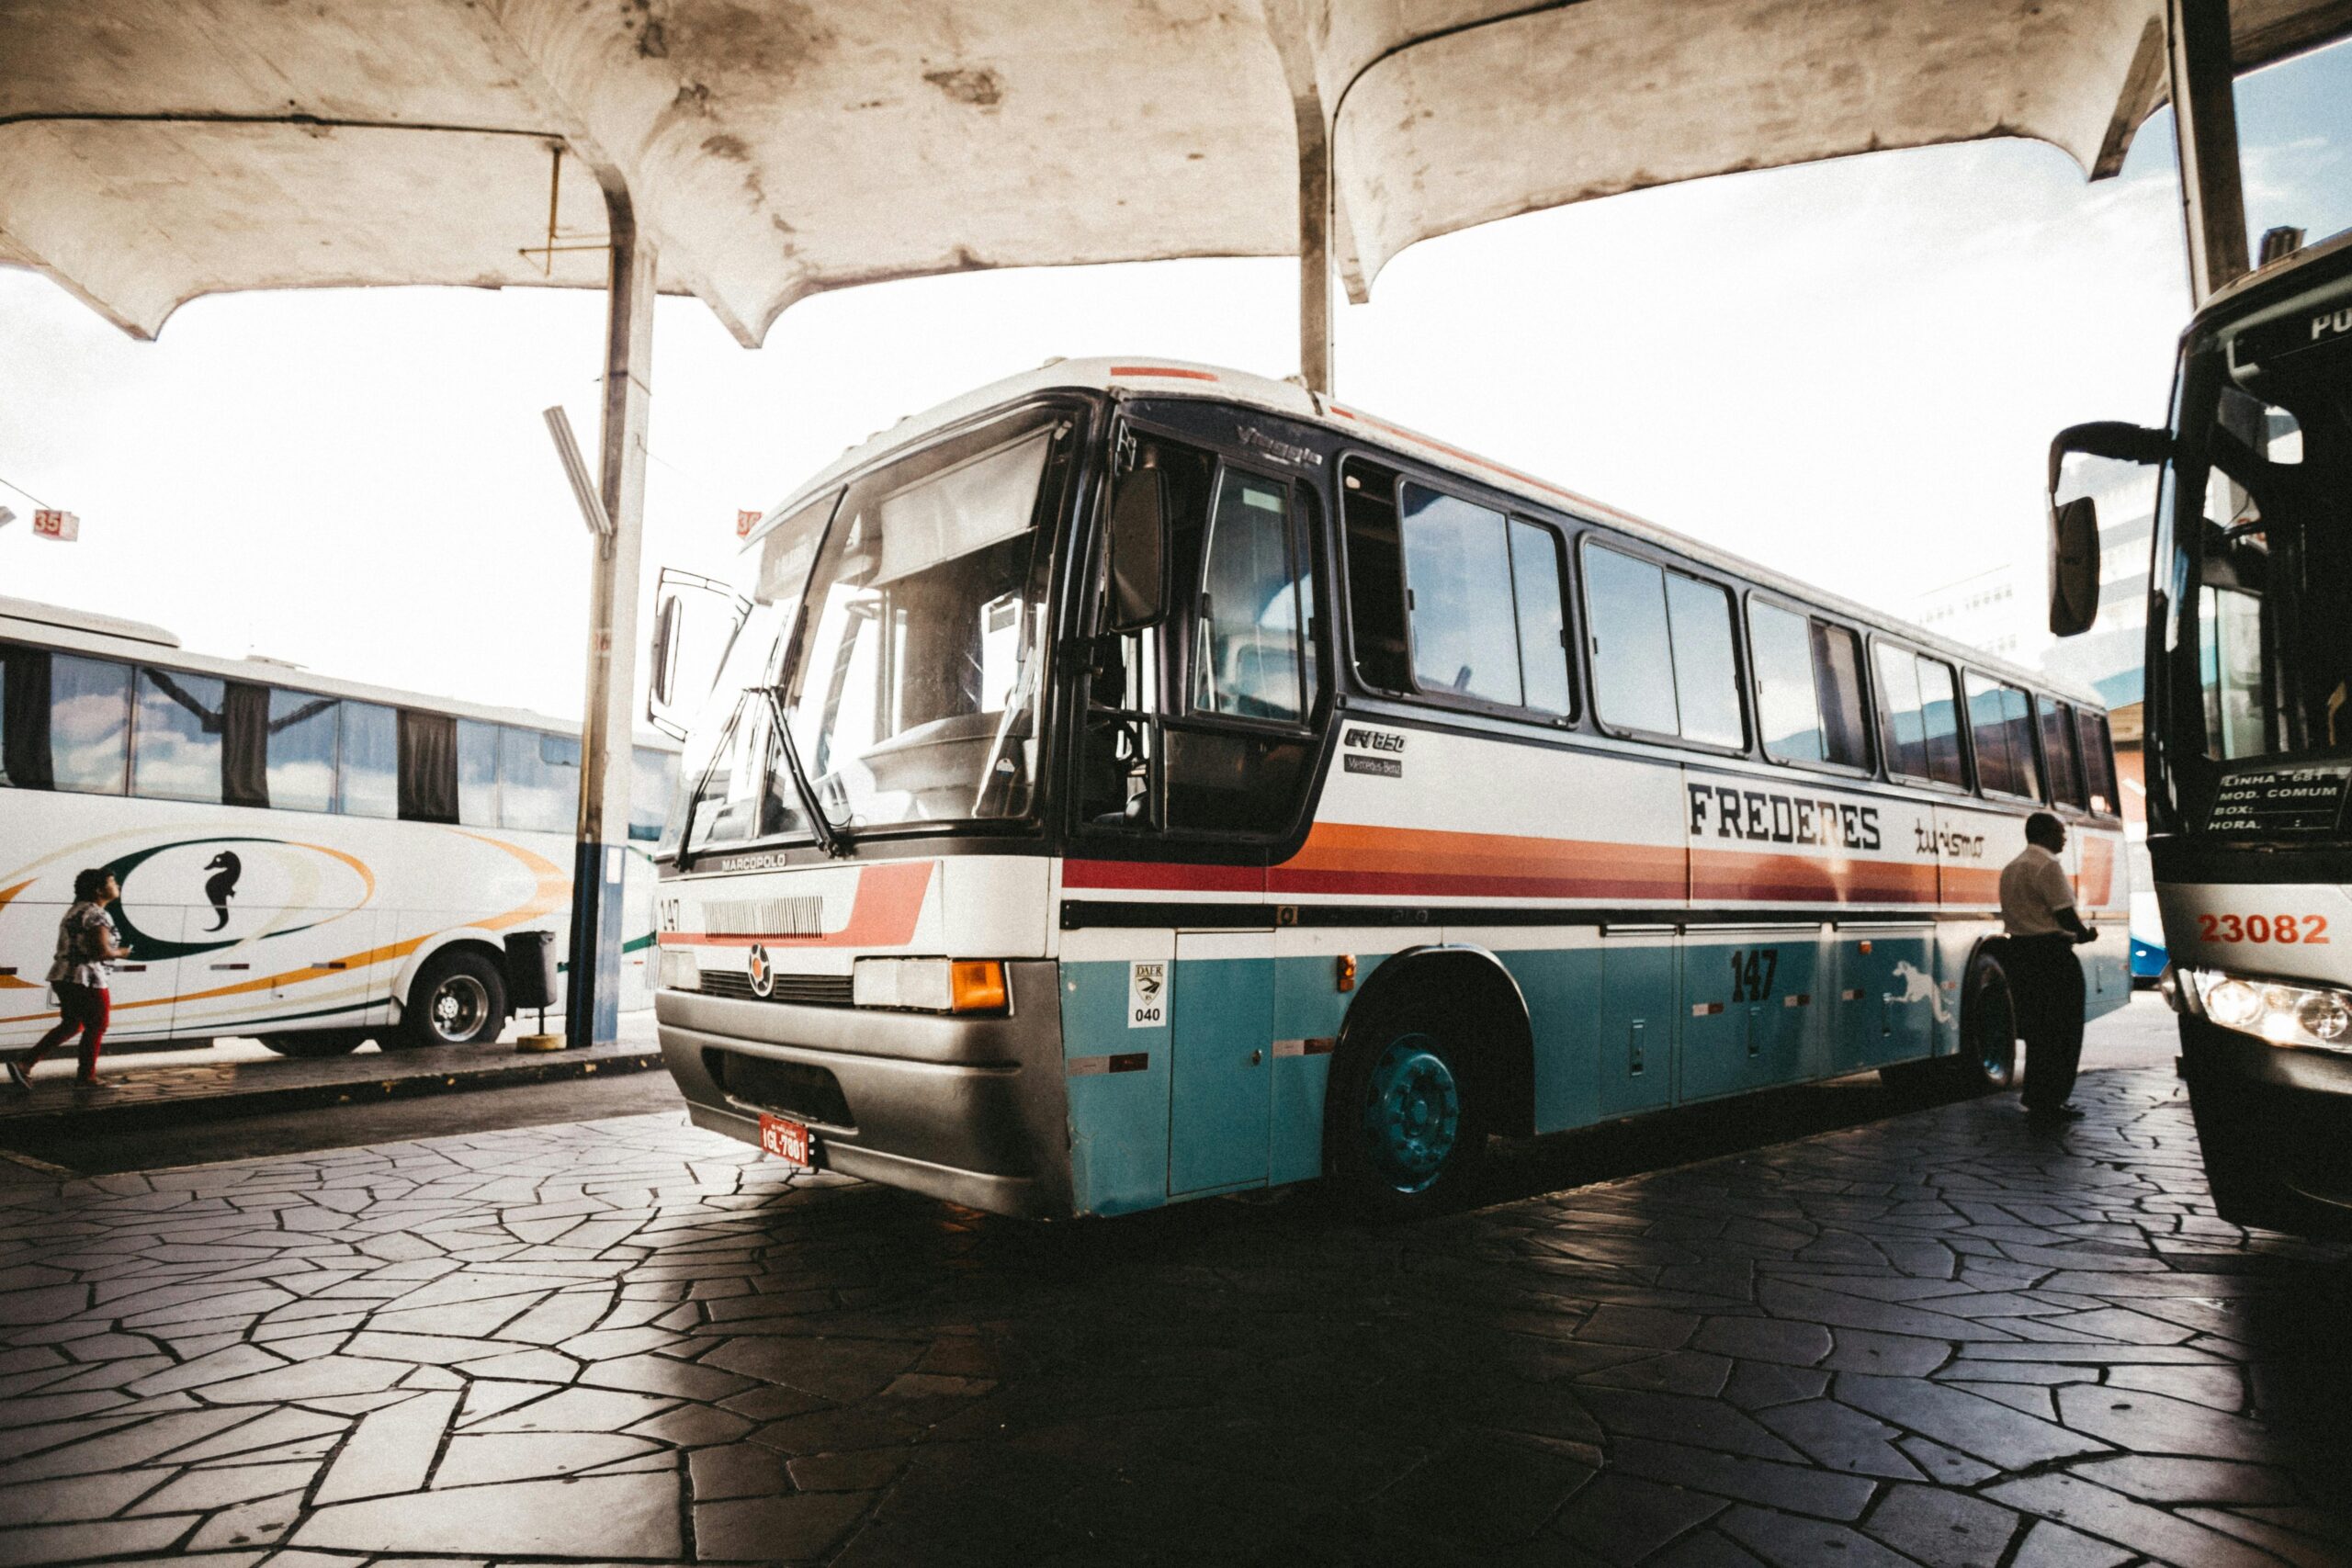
x: 2276, y: 1123
x: 970, y: 1110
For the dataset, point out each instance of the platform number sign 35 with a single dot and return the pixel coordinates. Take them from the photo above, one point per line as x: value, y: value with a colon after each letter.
x: 1146, y: 996
x: 1752, y: 972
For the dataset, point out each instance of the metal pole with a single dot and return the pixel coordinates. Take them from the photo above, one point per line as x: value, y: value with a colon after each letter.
x: 2205, y: 128
x: 600, y: 858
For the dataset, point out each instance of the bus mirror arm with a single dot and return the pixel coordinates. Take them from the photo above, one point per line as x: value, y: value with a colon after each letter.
x: 2074, y: 524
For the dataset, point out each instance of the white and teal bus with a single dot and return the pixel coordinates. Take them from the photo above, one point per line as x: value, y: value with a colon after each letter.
x: 1141, y: 781
x: 2249, y: 720
x: 311, y: 862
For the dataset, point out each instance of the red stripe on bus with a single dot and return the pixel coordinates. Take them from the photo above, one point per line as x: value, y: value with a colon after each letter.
x: 1345, y: 857
x: 1163, y: 876
x: 1746, y: 875
x: 888, y: 903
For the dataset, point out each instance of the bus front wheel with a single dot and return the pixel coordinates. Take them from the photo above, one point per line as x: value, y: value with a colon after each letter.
x: 1987, y: 1062
x: 460, y: 999
x: 1407, y: 1129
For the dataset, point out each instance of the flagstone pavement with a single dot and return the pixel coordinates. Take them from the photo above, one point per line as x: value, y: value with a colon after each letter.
x: 1940, y: 1339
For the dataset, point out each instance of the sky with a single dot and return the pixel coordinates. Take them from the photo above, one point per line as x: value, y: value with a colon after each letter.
x: 1848, y: 371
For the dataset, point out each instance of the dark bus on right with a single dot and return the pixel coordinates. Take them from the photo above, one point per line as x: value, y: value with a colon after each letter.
x: 2248, y: 717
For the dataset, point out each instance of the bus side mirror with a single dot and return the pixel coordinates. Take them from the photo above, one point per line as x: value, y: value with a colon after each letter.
x: 2074, y: 567
x: 2074, y: 523
x: 1138, y: 550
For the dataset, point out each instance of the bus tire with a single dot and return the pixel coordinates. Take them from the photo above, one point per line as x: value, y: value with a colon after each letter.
x: 309, y: 1043
x: 1408, y: 1127
x: 1987, y: 1062
x: 460, y: 999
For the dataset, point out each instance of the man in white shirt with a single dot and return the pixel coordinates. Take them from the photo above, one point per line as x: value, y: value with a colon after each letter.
x: 2045, y: 977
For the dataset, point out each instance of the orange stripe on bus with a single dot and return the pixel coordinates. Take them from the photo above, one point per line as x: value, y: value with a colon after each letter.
x: 888, y: 903
x: 1345, y: 857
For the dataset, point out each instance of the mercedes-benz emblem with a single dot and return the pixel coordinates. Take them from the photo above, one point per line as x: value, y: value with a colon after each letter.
x: 763, y: 972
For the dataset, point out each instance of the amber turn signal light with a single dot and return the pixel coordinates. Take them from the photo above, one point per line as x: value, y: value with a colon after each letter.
x: 975, y: 985
x: 1344, y: 971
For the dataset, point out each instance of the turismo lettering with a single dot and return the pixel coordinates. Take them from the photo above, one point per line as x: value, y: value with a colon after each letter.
x: 1765, y: 817
x: 1945, y: 843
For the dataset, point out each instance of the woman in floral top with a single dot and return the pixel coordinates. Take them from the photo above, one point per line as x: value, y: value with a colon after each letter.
x: 86, y: 943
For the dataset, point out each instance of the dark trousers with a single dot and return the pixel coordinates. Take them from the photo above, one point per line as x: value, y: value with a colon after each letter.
x: 2046, y: 981
x: 81, y: 1010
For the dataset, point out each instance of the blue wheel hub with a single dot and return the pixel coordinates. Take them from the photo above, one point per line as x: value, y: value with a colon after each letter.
x: 1412, y: 1114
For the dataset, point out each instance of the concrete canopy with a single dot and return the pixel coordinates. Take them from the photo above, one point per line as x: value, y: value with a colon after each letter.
x: 158, y: 150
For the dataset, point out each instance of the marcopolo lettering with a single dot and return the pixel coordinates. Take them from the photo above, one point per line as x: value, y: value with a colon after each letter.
x: 2336, y: 323
x: 1767, y: 816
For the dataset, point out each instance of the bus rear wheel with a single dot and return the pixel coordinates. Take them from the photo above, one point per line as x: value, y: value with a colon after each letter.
x: 460, y: 999
x: 1407, y: 1130
x: 1987, y: 1062
x: 315, y: 1043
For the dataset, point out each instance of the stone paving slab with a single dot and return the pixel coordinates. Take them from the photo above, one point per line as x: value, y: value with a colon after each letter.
x: 131, y: 1092
x: 1945, y: 1339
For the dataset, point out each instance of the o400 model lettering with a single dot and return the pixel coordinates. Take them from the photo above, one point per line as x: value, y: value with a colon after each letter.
x: 2305, y: 928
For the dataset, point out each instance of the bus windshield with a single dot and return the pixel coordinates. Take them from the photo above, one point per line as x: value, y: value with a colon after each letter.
x: 2260, y: 503
x: 900, y: 631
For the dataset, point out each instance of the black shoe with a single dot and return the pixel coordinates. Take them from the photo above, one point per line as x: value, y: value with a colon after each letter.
x: 2055, y: 1113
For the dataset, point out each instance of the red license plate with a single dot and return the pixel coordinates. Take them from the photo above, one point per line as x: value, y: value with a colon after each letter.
x: 789, y: 1141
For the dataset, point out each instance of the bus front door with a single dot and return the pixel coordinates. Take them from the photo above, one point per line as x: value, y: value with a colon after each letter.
x: 1220, y: 1098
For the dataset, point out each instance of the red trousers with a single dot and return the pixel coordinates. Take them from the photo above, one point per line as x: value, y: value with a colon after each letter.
x: 82, y: 1008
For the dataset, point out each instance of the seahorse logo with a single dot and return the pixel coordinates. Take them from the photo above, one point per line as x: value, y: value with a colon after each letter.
x: 1918, y: 987
x: 221, y: 887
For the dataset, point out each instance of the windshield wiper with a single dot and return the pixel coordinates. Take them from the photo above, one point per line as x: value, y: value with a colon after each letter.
x: 835, y: 840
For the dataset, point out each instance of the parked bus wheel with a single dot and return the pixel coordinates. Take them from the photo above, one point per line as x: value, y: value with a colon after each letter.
x: 1407, y: 1129
x: 314, y: 1043
x: 1987, y: 1062
x: 460, y: 999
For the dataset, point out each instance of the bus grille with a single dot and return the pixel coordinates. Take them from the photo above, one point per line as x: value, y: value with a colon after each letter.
x: 788, y: 1088
x: 808, y: 990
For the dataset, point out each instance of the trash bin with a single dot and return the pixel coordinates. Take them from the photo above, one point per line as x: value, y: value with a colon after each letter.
x: 530, y: 983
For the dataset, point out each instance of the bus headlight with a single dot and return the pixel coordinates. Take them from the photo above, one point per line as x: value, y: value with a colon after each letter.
x: 2282, y: 1014
x: 929, y: 985
x: 680, y: 970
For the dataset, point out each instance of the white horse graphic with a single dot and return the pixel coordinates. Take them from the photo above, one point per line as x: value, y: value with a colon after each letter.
x: 1918, y: 987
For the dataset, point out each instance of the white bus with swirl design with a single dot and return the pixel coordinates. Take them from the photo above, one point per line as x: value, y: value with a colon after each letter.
x: 310, y: 862
x: 1138, y: 781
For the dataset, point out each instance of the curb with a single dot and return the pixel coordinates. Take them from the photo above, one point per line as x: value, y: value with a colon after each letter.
x: 180, y: 1111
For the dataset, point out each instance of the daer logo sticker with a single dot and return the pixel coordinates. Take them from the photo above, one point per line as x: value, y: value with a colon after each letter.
x: 1146, y: 996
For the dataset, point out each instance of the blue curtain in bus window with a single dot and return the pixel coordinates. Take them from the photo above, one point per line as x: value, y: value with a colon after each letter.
x: 1543, y: 617
x: 1706, y: 675
x: 655, y: 781
x: 370, y: 780
x: 24, y: 717
x: 1906, y: 730
x: 1248, y: 663
x: 1788, y: 713
x: 1458, y: 573
x: 1631, y: 655
x: 539, y: 781
x: 89, y: 724
x: 2058, y: 752
x: 1939, y: 713
x: 477, y: 774
x: 302, y: 728
x: 179, y: 753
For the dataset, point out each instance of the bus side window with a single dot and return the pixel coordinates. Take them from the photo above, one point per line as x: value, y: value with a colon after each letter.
x: 2058, y: 753
x: 2099, y: 760
x: 179, y: 753
x: 1247, y: 657
x: 244, y: 744
x: 24, y: 719
x: 655, y: 781
x: 2002, y: 726
x: 1940, y: 708
x: 1788, y: 705
x: 1540, y: 581
x: 428, y: 766
x: 1632, y: 656
x: 1375, y: 575
x: 89, y: 724
x: 477, y: 774
x: 367, y: 782
x: 1706, y: 672
x: 538, y: 780
x: 302, y: 731
x: 1457, y: 571
x: 1837, y: 678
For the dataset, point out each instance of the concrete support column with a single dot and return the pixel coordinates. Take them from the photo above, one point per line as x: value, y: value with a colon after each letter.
x: 600, y: 859
x: 1314, y: 249
x: 2205, y: 127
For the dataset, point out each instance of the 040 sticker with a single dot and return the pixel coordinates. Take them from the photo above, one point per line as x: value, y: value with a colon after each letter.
x: 1147, y: 995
